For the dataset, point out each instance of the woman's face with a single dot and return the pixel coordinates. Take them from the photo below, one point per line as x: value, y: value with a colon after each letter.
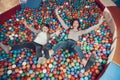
x: 75, y: 24
x: 45, y: 29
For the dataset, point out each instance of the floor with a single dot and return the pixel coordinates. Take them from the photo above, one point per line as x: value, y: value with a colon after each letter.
x: 10, y: 4
x: 108, y: 3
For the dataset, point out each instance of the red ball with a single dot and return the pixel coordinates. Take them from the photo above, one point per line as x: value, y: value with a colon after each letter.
x: 59, y: 52
x: 38, y: 78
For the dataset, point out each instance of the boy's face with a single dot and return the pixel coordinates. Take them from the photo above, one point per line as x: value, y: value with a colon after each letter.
x: 45, y: 29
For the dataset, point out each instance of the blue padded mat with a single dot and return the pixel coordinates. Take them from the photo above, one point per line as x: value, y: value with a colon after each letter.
x: 32, y: 4
x: 112, y: 72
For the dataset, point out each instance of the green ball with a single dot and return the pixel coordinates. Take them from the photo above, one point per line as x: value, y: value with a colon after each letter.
x: 58, y: 72
x: 52, y: 78
x: 104, y: 61
x: 36, y: 73
x: 33, y: 78
x: 100, y: 60
x: 77, y: 64
x: 23, y: 74
x: 3, y: 52
x: 41, y: 75
x: 66, y: 63
x: 9, y: 79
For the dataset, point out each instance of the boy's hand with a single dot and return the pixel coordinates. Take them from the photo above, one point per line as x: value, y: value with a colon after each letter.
x: 57, y: 32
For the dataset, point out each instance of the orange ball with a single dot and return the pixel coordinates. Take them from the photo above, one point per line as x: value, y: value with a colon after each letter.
x: 86, y: 73
x: 72, y: 64
x: 97, y: 71
x: 38, y: 65
x: 68, y: 60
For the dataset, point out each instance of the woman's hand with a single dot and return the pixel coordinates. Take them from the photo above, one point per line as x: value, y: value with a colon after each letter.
x: 56, y: 10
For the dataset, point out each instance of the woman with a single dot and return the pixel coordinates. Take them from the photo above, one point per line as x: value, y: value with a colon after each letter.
x: 73, y: 36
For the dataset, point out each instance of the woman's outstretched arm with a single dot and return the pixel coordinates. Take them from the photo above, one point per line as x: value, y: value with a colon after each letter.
x: 60, y: 19
x: 91, y: 28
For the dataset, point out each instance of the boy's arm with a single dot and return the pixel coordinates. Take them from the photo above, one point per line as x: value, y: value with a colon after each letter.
x: 52, y: 35
x: 55, y: 34
x: 30, y: 28
x: 91, y: 28
x: 60, y: 19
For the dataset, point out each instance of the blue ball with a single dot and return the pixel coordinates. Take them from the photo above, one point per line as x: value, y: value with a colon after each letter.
x: 82, y: 70
x: 30, y: 71
x: 81, y: 78
x: 86, y: 78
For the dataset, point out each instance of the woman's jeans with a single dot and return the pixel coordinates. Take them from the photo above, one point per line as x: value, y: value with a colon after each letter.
x: 70, y: 45
x: 35, y: 46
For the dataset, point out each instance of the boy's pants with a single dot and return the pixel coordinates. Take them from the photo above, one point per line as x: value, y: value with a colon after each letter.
x: 35, y: 46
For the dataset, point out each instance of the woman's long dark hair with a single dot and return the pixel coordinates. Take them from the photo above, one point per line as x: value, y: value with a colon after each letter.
x: 72, y: 21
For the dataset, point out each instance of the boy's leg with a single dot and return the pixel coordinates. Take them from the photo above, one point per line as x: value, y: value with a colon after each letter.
x: 7, y: 48
x: 39, y: 50
x: 30, y: 45
x: 46, y: 52
x: 39, y: 55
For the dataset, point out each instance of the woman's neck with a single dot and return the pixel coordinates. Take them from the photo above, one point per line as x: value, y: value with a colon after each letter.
x: 75, y: 29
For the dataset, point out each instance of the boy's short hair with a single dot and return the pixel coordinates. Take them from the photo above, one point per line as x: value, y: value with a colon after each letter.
x: 46, y: 25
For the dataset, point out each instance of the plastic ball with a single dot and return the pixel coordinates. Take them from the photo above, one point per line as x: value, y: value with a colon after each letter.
x: 9, y: 71
x: 44, y: 70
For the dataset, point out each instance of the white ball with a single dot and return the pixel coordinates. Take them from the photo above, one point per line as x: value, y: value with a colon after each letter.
x: 81, y: 20
x: 16, y: 35
x: 10, y: 28
x: 50, y: 65
x: 14, y: 66
x: 44, y: 70
x: 22, y: 17
x: 20, y: 71
x: 98, y: 31
x: 9, y: 71
x: 24, y: 63
x: 11, y: 38
x: 17, y: 19
x: 66, y: 3
x: 13, y: 34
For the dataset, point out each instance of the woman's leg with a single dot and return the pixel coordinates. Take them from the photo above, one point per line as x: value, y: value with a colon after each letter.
x: 79, y: 51
x: 60, y: 45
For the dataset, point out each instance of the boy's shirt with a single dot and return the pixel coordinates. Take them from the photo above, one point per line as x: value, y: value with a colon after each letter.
x: 41, y: 38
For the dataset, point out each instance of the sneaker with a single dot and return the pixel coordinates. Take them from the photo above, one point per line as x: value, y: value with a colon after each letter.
x: 90, y: 62
x: 41, y: 60
x: 51, y: 52
x: 84, y: 62
x: 7, y: 48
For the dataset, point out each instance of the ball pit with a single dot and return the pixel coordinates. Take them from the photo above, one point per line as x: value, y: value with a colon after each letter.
x: 22, y: 64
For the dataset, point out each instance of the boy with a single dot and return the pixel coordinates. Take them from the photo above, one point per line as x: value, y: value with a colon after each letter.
x: 38, y: 44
